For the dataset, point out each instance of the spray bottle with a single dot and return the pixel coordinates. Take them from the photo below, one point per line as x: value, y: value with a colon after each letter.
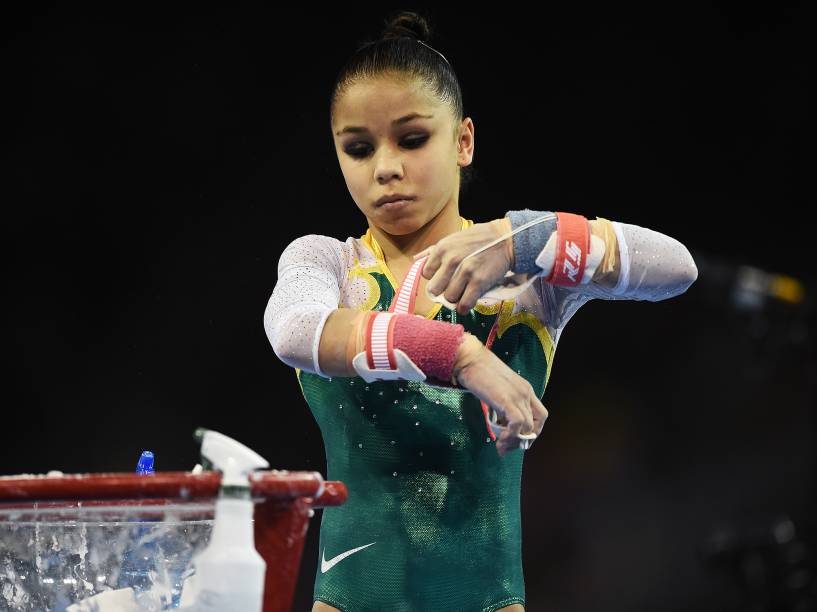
x: 229, y: 573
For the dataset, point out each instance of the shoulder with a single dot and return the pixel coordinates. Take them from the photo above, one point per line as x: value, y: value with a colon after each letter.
x: 313, y: 241
x: 326, y: 251
x: 312, y: 247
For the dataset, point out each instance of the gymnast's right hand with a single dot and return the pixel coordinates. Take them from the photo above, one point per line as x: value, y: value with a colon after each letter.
x: 488, y: 377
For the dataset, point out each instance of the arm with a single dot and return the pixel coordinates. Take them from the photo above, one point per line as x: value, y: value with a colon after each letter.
x: 307, y: 330
x: 639, y: 263
x: 302, y: 320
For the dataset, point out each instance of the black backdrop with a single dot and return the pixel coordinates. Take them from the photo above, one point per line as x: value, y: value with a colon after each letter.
x: 160, y: 161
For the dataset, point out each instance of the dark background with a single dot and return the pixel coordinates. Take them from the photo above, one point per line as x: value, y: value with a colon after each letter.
x: 161, y: 160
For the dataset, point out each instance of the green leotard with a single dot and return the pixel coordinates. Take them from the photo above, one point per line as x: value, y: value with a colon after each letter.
x: 433, y: 511
x: 432, y: 521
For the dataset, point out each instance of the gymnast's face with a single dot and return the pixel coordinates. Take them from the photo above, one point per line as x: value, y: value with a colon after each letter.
x: 392, y: 136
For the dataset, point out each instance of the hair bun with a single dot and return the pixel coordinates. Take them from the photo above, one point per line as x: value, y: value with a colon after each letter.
x: 406, y: 23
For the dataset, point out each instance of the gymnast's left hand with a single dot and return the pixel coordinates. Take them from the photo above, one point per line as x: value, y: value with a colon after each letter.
x: 464, y: 285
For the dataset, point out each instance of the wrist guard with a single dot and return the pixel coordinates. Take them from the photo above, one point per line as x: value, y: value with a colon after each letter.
x: 566, y: 258
x: 402, y: 346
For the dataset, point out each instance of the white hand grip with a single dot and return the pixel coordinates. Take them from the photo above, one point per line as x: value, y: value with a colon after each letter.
x: 525, y: 440
x: 406, y: 369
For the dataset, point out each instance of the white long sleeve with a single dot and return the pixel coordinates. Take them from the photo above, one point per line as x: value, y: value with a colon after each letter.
x: 654, y: 267
x: 317, y: 274
x: 307, y: 291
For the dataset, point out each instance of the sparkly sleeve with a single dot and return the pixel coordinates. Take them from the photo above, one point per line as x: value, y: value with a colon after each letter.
x: 654, y: 267
x: 308, y: 290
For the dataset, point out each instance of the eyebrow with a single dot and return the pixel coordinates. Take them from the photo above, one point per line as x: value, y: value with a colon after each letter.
x: 401, y: 120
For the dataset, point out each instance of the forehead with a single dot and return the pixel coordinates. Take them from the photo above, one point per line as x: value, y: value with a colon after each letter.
x: 376, y: 102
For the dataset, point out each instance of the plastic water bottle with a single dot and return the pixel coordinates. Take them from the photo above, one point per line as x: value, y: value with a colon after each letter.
x: 145, y: 463
x: 139, y: 562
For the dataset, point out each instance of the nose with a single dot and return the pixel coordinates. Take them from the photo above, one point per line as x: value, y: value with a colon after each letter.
x: 388, y: 165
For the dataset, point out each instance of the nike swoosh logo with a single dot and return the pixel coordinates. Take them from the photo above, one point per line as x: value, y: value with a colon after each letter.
x: 327, y: 565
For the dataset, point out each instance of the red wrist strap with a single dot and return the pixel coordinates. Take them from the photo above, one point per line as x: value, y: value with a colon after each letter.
x: 379, y: 342
x: 572, y: 247
x: 407, y: 292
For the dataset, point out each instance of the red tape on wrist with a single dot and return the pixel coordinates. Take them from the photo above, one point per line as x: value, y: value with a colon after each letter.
x: 572, y: 247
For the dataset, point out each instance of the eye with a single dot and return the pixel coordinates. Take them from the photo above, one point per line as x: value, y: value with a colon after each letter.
x: 415, y: 142
x: 360, y: 150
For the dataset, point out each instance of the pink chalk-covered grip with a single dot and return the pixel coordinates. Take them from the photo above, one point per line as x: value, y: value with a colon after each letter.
x: 431, y: 345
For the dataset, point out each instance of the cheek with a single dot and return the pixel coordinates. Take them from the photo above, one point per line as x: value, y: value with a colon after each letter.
x: 430, y: 169
x: 354, y: 176
x: 443, y: 163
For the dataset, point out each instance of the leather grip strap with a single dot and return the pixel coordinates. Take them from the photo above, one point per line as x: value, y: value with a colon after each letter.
x: 572, y: 247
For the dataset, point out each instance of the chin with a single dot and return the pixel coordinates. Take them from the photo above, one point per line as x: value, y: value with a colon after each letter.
x: 399, y: 227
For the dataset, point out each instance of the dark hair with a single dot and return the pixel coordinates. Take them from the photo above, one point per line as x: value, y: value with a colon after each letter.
x: 398, y: 51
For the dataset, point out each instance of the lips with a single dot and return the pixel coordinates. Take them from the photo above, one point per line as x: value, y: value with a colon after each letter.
x: 393, y: 198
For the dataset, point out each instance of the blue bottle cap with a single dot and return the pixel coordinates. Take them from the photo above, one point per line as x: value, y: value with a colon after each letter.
x: 145, y: 465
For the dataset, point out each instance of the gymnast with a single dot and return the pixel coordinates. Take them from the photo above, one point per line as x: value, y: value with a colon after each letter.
x: 423, y: 347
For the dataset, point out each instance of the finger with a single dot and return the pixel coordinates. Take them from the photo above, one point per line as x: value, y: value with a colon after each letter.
x: 454, y: 291
x: 509, y: 442
x: 497, y: 429
x: 424, y: 252
x: 515, y: 421
x: 520, y: 419
x: 482, y: 280
x: 471, y: 294
x: 540, y: 415
x: 495, y: 421
x: 529, y: 426
x: 442, y: 275
x: 433, y: 262
x: 462, y: 277
x: 502, y: 443
x: 512, y: 444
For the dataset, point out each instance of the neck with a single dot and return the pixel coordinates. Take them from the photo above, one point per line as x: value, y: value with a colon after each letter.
x: 395, y: 247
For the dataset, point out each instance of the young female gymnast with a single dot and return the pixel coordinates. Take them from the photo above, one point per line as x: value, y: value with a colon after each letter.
x: 411, y: 381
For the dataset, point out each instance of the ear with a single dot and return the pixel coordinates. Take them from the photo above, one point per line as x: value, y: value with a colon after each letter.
x: 465, y: 142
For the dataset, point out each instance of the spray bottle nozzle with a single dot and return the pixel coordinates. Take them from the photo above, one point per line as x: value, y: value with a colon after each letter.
x: 232, y: 458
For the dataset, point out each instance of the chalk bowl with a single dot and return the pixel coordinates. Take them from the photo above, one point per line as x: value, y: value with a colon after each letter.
x: 53, y: 555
